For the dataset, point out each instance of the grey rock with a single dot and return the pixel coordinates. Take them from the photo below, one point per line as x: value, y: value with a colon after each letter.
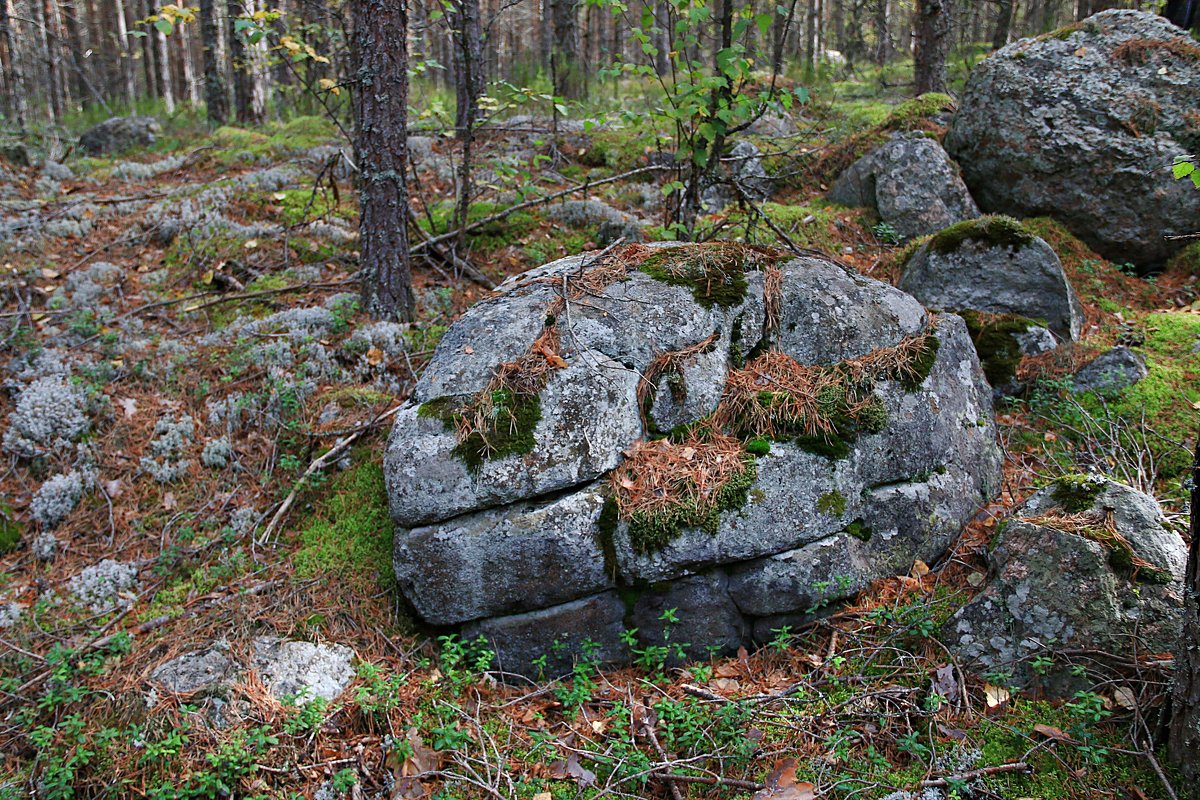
x: 745, y: 175
x: 589, y: 417
x: 208, y: 670
x: 1055, y: 589
x: 518, y: 551
x: 774, y: 124
x: 503, y: 560
x: 708, y: 621
x: 16, y: 153
x: 1035, y: 340
x: 118, y: 134
x: 1110, y: 372
x: 911, y: 182
x: 303, y: 670
x: 586, y: 629
x: 1084, y: 126
x: 1027, y: 280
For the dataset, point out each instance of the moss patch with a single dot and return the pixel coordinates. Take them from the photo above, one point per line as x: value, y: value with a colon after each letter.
x: 649, y: 532
x: 513, y: 416
x: 859, y: 530
x: 995, y: 339
x: 350, y: 537
x: 1076, y: 493
x: 998, y: 231
x: 715, y: 274
x: 832, y: 503
x: 10, y: 529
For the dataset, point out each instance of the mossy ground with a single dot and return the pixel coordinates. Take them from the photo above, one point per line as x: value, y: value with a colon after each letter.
x: 349, y: 536
x: 995, y: 231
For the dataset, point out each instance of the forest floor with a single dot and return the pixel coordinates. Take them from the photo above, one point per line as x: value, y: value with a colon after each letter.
x: 224, y: 354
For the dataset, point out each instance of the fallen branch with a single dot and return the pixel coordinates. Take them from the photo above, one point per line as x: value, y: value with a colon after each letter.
x: 499, y: 215
x: 970, y: 775
x: 339, y: 447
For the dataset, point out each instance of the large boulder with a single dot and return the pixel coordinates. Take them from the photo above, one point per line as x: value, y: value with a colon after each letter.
x: 994, y: 264
x: 824, y: 432
x: 119, y: 134
x: 911, y: 182
x: 1086, y: 564
x: 1083, y: 124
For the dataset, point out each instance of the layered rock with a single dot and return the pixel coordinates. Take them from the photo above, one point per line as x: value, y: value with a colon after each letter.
x: 1083, y: 125
x: 723, y: 430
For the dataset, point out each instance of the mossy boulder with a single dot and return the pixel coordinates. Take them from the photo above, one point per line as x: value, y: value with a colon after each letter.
x: 118, y: 135
x: 911, y: 182
x: 1085, y: 564
x: 1083, y: 126
x: 994, y: 265
x: 642, y: 483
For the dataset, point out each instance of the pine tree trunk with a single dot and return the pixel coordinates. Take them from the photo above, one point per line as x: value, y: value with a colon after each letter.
x: 568, y: 74
x: 163, y: 60
x: 931, y: 45
x: 469, y: 77
x: 239, y: 57
x: 215, y: 100
x: 883, y: 39
x: 1184, y: 734
x: 381, y: 148
x: 1003, y: 27
x: 13, y: 77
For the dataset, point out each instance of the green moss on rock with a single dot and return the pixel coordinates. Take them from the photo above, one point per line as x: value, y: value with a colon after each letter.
x: 651, y: 532
x: 1077, y: 493
x: 995, y: 339
x: 832, y: 503
x: 715, y: 274
x: 859, y: 530
x: 998, y: 231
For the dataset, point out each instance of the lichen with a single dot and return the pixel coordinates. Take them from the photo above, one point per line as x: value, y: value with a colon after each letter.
x: 833, y: 503
x: 995, y: 230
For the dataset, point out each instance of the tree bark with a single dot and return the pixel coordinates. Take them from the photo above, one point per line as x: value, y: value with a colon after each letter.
x: 1182, y: 12
x: 883, y: 39
x: 13, y: 77
x: 1184, y: 735
x: 469, y: 77
x: 215, y: 100
x: 564, y: 58
x: 381, y: 147
x: 163, y: 60
x: 931, y: 45
x: 1003, y: 27
x: 239, y: 57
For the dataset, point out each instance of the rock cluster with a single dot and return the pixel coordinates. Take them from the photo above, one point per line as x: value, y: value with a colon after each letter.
x: 724, y: 430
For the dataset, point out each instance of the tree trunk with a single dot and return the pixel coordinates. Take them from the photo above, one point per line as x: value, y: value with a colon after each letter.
x: 564, y: 58
x: 931, y: 45
x: 215, y: 100
x: 381, y: 147
x: 883, y: 39
x: 163, y: 59
x: 1003, y: 29
x: 239, y: 57
x: 1183, y: 13
x: 469, y: 76
x: 1184, y: 734
x: 13, y: 77
x: 73, y: 44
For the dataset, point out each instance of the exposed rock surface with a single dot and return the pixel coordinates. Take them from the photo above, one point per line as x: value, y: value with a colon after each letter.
x: 994, y: 265
x: 911, y: 182
x: 1110, y: 372
x: 746, y: 175
x: 530, y: 546
x: 1085, y: 564
x: 205, y: 670
x: 1083, y: 125
x: 303, y: 670
x: 118, y: 134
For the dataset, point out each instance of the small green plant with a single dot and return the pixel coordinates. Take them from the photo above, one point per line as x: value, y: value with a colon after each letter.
x: 886, y: 232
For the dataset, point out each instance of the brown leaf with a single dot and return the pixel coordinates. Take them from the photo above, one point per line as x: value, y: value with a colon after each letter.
x: 782, y: 785
x: 995, y: 695
x: 469, y: 350
x: 944, y: 682
x: 920, y: 569
x: 374, y: 356
x: 571, y: 769
x: 168, y: 501
x: 423, y: 759
x: 1051, y: 732
x: 556, y: 361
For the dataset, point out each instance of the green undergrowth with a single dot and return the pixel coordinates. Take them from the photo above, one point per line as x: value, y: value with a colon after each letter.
x: 487, y: 238
x: 10, y: 529
x: 913, y: 114
x: 815, y: 225
x: 297, y: 206
x: 620, y: 149
x: 995, y: 339
x: 349, y: 537
x: 233, y: 145
x: 1186, y: 260
x: 996, y: 231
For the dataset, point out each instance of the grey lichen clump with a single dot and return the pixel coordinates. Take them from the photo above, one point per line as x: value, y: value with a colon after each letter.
x: 217, y: 453
x: 100, y: 586
x: 57, y: 498
x: 166, y: 462
x: 50, y: 415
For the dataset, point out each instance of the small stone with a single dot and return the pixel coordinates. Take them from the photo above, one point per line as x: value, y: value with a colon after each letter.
x: 1111, y: 372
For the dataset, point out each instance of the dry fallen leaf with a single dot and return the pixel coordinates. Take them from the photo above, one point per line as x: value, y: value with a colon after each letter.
x: 1051, y: 732
x: 1125, y: 698
x: 469, y: 350
x: 129, y: 406
x: 920, y: 569
x: 556, y: 361
x: 374, y: 356
x: 975, y: 579
x: 995, y: 695
x: 782, y: 785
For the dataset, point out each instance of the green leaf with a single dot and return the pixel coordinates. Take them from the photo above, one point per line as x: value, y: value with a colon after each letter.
x: 1196, y: 178
x: 764, y: 23
x: 1182, y: 169
x: 164, y: 27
